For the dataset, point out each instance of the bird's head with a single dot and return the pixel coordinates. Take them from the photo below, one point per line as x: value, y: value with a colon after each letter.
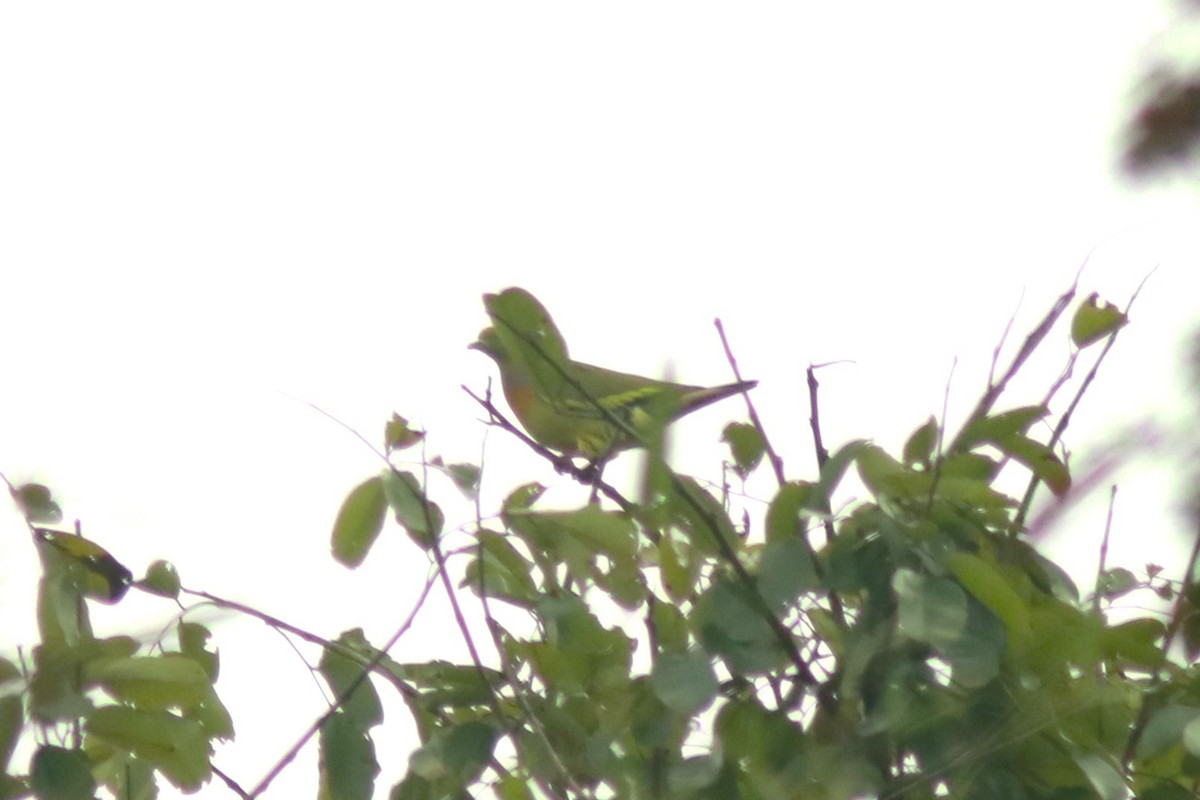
x: 490, y: 345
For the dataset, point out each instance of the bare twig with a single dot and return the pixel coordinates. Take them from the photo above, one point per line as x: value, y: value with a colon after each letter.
x: 1065, y: 419
x: 776, y: 461
x: 1112, y: 501
x: 562, y: 465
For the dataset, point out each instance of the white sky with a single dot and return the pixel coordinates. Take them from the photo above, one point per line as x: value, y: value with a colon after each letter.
x: 213, y: 213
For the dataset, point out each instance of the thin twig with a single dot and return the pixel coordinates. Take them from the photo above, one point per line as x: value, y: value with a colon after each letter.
x: 1112, y: 501
x: 562, y: 465
x: 1031, y: 343
x: 367, y: 668
x: 776, y: 461
x: 835, y: 602
x: 1065, y: 419
x: 1182, y: 603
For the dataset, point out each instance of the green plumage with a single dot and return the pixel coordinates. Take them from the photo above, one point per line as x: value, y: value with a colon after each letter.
x: 576, y: 408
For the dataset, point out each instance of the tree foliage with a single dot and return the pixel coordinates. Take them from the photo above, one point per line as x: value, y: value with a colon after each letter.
x: 911, y: 643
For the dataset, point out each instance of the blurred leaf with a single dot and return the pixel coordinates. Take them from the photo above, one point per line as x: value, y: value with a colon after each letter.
x: 459, y: 753
x: 747, y: 446
x: 932, y: 610
x: 1136, y: 641
x: 679, y: 570
x: 192, y: 639
x: 888, y: 479
x: 151, y: 682
x: 784, y: 516
x: 1104, y: 775
x: 834, y: 470
x: 685, y: 681
x: 1040, y: 460
x: 177, y: 747
x: 420, y: 517
x: 359, y: 523
x: 362, y: 708
x: 506, y: 574
x: 1005, y: 425
x: 12, y: 720
x: 702, y: 517
x: 1166, y: 131
x: 397, y: 435
x: 60, y: 774
x: 606, y: 532
x: 162, y: 579
x: 787, y: 570
x: 1165, y: 729
x: 919, y: 448
x: 990, y: 588
x: 1116, y: 582
x: 1095, y: 320
x: 730, y: 625
x: 465, y: 476
x: 670, y: 628
x: 347, y: 763
x: 36, y: 503
x: 522, y: 497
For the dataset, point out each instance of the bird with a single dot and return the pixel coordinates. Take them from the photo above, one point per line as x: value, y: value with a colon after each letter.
x: 573, y: 408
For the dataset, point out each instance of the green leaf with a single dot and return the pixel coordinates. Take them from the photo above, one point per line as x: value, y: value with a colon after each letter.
x: 467, y: 748
x: 362, y: 707
x: 177, y: 747
x: 932, y: 610
x: 36, y: 503
x: 12, y: 719
x: 60, y: 774
x: 1136, y: 641
x: 990, y: 588
x: 151, y: 682
x: 212, y: 716
x: 787, y: 570
x: 458, y: 755
x: 465, y: 476
x: 784, y: 516
x: 919, y: 447
x: 887, y: 478
x: 162, y: 579
x: 703, y: 517
x: 834, y: 470
x: 679, y: 570
x: 420, y: 517
x: 1190, y: 736
x: 604, y: 532
x: 1040, y: 460
x: 397, y: 435
x: 348, y: 767
x: 731, y: 625
x: 506, y: 574
x: 358, y: 523
x: 1165, y: 729
x: 746, y: 445
x: 1004, y: 425
x: 1095, y: 320
x: 1116, y: 582
x: 522, y: 497
x: 192, y: 639
x: 670, y: 628
x: 1104, y: 775
x: 685, y: 682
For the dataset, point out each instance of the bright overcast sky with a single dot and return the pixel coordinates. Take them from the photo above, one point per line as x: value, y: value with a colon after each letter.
x: 214, y: 213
